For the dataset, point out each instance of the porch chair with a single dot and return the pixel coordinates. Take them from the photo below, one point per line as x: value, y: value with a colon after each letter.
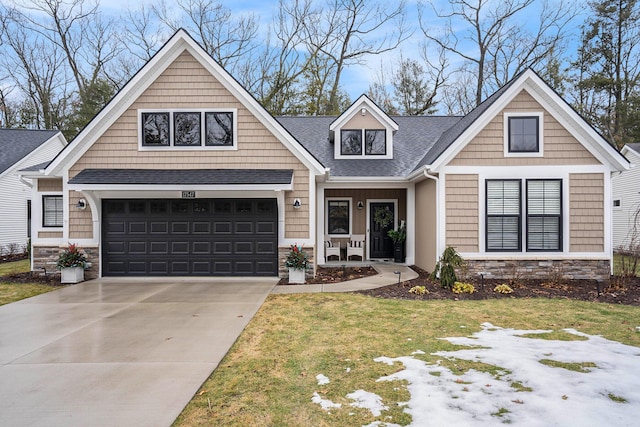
x: 331, y: 249
x: 356, y: 246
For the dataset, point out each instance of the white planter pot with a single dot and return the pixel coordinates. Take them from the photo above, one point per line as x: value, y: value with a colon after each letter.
x: 296, y: 275
x: 72, y: 275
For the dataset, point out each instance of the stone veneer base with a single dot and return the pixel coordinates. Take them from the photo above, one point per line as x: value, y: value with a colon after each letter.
x: 47, y: 257
x: 531, y: 269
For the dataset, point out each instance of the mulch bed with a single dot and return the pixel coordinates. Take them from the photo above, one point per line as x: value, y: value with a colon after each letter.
x: 336, y: 275
x: 51, y: 278
x: 617, y: 292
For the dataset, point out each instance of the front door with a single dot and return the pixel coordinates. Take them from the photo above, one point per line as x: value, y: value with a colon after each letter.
x: 381, y: 220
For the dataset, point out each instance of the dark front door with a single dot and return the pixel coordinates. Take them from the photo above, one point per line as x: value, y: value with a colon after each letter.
x: 202, y: 237
x: 380, y: 244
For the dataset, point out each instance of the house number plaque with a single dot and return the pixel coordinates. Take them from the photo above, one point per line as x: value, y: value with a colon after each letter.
x: 188, y: 194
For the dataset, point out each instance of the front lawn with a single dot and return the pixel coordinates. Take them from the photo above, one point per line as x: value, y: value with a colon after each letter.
x: 280, y: 362
x: 10, y: 292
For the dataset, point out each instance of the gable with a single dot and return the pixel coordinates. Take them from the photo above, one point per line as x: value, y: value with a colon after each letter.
x: 186, y: 85
x: 487, y: 147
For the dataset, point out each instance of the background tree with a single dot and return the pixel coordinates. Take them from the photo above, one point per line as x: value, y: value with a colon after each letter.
x: 608, y: 67
x: 492, y: 41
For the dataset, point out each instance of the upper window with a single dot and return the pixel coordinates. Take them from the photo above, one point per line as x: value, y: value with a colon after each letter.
x: 187, y: 129
x: 523, y: 134
x: 338, y: 216
x: 52, y: 211
x: 356, y: 142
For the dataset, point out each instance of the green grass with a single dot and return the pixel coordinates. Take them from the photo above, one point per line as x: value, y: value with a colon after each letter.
x: 268, y: 377
x: 14, y: 267
x: 11, y: 292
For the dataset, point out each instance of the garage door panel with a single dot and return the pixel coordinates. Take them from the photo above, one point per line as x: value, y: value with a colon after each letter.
x: 190, y: 237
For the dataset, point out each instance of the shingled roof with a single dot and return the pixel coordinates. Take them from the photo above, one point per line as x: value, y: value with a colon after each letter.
x: 416, y: 136
x: 16, y: 144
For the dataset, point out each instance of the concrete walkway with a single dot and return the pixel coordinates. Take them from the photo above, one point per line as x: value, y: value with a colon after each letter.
x: 387, y: 276
x: 118, y: 352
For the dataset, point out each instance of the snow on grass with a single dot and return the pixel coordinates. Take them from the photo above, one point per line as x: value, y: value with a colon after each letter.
x: 585, y: 382
x: 322, y: 380
x: 368, y: 400
x: 326, y: 404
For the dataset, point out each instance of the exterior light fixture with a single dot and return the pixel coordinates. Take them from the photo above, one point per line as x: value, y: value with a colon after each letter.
x: 82, y: 204
x: 360, y: 205
x: 363, y: 111
x: 297, y: 203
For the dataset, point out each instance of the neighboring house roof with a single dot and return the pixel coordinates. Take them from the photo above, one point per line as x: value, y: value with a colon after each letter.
x: 16, y: 144
x: 635, y: 147
x: 415, y: 137
x: 183, y: 177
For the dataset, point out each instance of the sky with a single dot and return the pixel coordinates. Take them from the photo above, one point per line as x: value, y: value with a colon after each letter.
x: 559, y: 396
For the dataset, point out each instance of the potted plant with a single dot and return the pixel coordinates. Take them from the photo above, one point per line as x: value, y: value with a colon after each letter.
x: 72, y: 261
x: 398, y: 236
x: 297, y: 262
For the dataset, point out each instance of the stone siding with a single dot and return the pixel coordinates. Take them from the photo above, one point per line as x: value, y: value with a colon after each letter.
x: 283, y: 272
x: 46, y: 257
x: 531, y: 269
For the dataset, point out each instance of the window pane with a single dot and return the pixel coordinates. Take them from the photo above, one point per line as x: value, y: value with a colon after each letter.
x: 523, y: 134
x: 52, y: 211
x: 375, y: 142
x: 186, y: 129
x: 503, y: 197
x: 219, y: 129
x: 351, y: 142
x: 155, y: 129
x: 503, y: 233
x: 338, y: 217
x: 544, y: 215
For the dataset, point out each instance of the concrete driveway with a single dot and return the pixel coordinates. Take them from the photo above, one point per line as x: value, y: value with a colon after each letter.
x: 118, y: 352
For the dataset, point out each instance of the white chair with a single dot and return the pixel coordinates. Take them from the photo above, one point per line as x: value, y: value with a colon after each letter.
x: 331, y: 249
x: 356, y: 246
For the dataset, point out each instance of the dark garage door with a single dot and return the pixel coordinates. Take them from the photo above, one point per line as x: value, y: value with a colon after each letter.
x: 203, y: 237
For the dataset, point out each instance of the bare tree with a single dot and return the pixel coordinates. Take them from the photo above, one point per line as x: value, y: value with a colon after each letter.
x: 379, y: 91
x: 348, y: 31
x: 230, y: 40
x: 416, y: 86
x: 494, y: 41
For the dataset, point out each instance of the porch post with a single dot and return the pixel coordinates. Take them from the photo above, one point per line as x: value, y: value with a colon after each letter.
x: 320, y: 225
x: 410, y: 242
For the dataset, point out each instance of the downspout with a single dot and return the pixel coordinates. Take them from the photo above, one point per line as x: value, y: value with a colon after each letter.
x: 438, y: 209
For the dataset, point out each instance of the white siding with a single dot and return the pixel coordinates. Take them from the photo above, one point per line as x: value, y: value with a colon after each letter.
x: 14, y: 195
x: 626, y: 188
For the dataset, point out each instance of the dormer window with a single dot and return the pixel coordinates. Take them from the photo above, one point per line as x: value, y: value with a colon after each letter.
x: 363, y: 131
x: 355, y: 142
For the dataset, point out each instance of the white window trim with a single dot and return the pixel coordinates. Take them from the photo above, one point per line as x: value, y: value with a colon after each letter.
x: 42, y: 226
x: 389, y: 144
x: 540, y: 152
x: 202, y: 145
x: 326, y: 216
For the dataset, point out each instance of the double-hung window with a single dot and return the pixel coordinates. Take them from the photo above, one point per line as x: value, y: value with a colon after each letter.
x: 52, y: 211
x: 543, y: 214
x: 503, y: 215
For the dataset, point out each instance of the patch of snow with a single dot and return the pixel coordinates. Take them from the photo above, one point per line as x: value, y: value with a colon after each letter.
x: 366, y: 400
x: 418, y: 352
x: 348, y: 370
x: 326, y: 404
x: 322, y: 380
x: 558, y: 397
x: 381, y: 424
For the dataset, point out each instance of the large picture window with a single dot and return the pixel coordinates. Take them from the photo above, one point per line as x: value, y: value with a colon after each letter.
x: 544, y: 215
x: 503, y: 215
x: 187, y: 129
x: 338, y: 220
x: 52, y: 211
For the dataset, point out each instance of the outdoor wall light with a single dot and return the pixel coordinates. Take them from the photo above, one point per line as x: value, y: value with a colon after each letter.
x: 360, y: 205
x: 82, y: 204
x: 297, y: 203
x: 363, y: 111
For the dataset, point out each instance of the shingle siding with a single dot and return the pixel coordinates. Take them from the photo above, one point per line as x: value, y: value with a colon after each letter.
x: 586, y: 210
